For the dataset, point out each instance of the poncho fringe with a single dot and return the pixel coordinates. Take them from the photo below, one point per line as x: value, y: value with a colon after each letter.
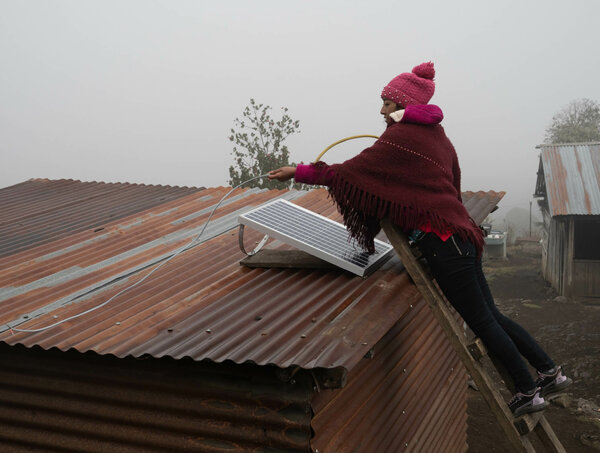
x: 363, y: 211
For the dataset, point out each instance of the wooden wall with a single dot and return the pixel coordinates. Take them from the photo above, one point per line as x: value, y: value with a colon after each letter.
x: 586, y: 278
x: 569, y: 276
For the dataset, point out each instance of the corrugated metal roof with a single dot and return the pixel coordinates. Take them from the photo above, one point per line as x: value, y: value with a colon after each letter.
x: 202, y: 304
x: 480, y: 204
x: 571, y: 174
x: 39, y: 210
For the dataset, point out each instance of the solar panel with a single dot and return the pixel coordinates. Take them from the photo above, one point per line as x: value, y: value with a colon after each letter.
x: 315, y: 234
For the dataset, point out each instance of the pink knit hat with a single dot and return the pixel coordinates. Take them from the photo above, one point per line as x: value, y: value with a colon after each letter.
x: 414, y: 87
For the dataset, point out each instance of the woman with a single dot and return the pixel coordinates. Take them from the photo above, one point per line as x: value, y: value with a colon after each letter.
x: 411, y: 175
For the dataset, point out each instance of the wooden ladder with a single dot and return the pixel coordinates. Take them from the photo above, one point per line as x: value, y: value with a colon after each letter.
x: 519, y: 430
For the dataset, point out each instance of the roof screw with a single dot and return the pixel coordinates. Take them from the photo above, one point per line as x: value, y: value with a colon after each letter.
x: 406, y: 444
x: 117, y: 323
x: 403, y: 412
x: 55, y: 317
x: 169, y: 330
x: 25, y: 316
x: 208, y: 331
x: 302, y: 336
x: 411, y: 306
x: 364, y: 343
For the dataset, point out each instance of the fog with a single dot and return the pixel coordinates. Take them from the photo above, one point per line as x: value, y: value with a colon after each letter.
x: 147, y: 91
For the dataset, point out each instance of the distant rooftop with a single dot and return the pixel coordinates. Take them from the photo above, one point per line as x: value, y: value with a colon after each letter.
x: 568, y: 177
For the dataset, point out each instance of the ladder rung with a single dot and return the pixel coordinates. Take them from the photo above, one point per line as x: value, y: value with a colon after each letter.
x: 527, y: 423
x: 477, y: 349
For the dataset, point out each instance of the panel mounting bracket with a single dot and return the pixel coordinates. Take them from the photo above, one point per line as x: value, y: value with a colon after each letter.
x: 260, y: 245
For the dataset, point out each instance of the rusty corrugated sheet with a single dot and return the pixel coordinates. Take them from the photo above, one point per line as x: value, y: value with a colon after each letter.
x: 480, y: 204
x: 571, y: 175
x: 408, y: 395
x: 53, y: 401
x: 202, y: 304
x: 39, y: 211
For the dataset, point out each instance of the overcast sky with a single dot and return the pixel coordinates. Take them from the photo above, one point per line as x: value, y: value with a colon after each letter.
x: 147, y: 91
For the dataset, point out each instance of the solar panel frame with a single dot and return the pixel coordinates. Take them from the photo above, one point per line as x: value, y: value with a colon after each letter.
x: 316, y: 235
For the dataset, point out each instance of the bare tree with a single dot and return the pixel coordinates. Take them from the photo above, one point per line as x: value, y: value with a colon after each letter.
x: 577, y: 122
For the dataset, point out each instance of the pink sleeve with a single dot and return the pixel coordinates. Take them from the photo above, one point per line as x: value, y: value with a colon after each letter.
x: 320, y: 174
x: 422, y: 114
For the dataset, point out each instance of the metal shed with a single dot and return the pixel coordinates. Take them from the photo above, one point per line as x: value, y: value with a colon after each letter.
x: 569, y: 197
x: 207, y: 355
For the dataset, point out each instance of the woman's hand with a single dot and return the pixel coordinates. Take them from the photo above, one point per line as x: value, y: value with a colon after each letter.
x: 283, y: 173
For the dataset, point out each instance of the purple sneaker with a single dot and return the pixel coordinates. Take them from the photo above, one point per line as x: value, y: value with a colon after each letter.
x: 524, y: 403
x: 552, y: 381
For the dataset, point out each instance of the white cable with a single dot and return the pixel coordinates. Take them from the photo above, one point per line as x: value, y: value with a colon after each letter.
x: 182, y: 249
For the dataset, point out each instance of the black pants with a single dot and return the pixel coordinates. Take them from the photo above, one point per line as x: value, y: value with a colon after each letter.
x: 457, y: 270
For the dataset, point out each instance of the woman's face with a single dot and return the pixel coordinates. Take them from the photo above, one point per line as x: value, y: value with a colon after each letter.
x: 387, y: 108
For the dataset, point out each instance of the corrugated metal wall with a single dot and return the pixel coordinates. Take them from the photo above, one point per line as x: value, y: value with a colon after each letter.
x: 72, y: 402
x: 411, y: 396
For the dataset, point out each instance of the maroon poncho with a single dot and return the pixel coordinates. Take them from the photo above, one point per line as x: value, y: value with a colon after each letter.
x: 410, y: 175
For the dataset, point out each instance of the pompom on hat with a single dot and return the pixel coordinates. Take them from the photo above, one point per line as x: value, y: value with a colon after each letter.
x: 416, y: 87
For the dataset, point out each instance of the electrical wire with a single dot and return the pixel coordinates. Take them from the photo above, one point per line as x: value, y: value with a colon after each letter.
x: 181, y: 250
x: 342, y: 141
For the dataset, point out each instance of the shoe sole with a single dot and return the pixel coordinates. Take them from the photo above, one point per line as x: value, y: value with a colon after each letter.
x: 530, y: 409
x: 555, y: 388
